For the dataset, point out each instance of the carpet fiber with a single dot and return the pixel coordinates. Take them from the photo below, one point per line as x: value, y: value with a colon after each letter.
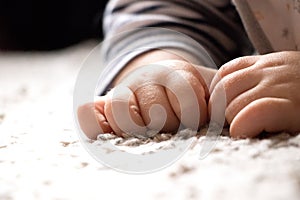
x: 41, y: 156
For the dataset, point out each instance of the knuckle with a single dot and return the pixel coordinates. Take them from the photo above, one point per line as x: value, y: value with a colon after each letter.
x: 224, y: 84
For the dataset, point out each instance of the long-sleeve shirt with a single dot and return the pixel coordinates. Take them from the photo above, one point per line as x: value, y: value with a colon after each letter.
x: 210, y: 29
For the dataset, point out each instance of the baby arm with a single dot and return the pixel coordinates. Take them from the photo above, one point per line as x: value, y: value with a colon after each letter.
x: 213, y: 24
x: 146, y: 95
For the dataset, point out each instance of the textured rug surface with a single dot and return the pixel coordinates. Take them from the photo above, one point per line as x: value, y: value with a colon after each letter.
x: 41, y: 156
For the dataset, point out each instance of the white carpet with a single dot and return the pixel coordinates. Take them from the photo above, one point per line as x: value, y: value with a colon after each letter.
x: 41, y: 156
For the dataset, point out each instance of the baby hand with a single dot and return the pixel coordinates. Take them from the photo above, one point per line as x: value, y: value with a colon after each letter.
x: 262, y: 93
x: 159, y: 97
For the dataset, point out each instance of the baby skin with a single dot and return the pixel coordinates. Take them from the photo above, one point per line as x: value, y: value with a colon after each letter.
x: 261, y: 94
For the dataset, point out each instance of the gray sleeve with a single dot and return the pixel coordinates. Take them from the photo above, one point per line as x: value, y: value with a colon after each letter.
x: 194, y: 27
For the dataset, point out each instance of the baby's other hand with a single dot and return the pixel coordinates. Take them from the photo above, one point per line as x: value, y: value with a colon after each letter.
x: 262, y: 93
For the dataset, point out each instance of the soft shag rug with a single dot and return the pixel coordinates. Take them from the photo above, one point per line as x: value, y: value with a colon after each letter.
x: 41, y: 156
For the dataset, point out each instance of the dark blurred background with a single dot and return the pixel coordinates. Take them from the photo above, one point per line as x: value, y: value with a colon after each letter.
x: 48, y: 24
